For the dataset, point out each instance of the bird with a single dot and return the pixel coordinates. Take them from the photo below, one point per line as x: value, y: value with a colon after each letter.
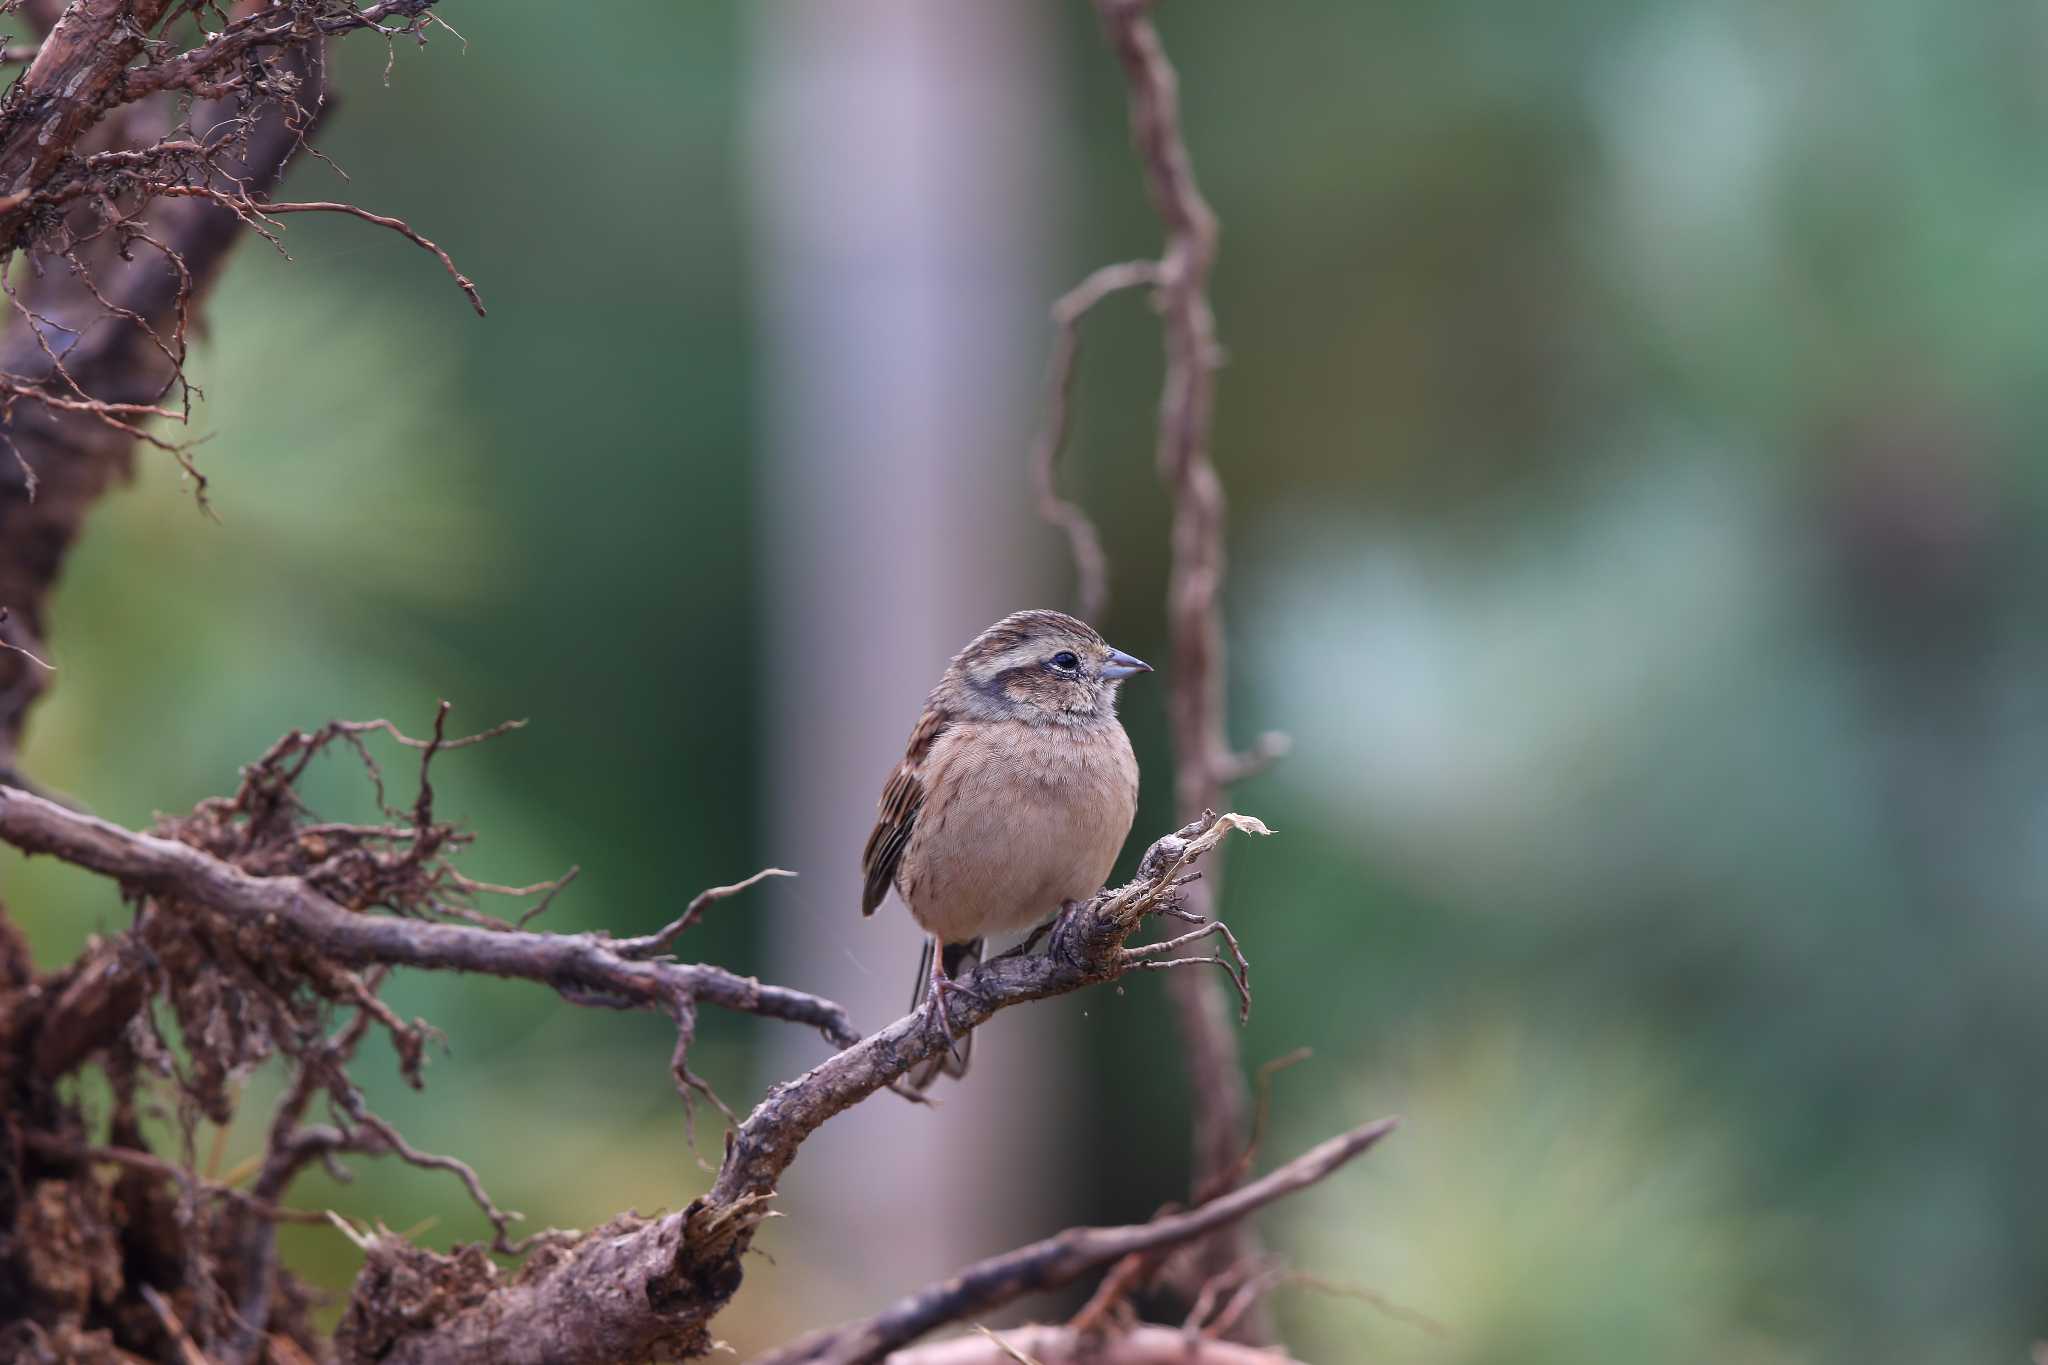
x: 1013, y: 799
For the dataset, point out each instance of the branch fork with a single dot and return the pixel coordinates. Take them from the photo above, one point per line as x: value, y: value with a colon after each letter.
x: 195, y: 891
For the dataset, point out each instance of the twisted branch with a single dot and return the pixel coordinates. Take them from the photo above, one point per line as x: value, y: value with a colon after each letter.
x: 1091, y: 565
x: 1062, y: 1259
x: 569, y: 1308
x: 1205, y: 763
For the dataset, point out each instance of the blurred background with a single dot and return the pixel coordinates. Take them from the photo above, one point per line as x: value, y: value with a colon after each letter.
x: 1632, y: 426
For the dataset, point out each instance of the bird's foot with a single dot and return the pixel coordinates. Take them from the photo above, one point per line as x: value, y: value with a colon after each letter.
x: 1061, y: 944
x: 944, y: 987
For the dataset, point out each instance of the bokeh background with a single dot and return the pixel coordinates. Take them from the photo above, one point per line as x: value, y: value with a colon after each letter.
x: 1632, y: 425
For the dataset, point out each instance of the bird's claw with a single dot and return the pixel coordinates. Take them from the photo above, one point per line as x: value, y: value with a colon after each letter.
x: 1061, y: 943
x: 935, y: 1002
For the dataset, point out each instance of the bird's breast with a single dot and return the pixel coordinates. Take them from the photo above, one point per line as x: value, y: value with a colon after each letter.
x: 1017, y: 819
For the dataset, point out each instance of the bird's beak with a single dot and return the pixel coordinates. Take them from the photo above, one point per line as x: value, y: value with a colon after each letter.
x: 1122, y: 665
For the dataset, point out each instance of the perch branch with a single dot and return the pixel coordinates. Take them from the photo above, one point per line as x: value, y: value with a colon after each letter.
x: 1087, y: 947
x: 643, y: 1286
x: 573, y: 1307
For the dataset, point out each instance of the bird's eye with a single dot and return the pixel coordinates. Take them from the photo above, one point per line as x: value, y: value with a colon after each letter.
x: 1065, y: 661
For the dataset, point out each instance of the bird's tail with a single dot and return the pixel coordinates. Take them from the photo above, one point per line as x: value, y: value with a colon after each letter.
x: 956, y: 958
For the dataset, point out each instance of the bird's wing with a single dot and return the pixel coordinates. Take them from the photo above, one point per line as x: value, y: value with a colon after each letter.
x: 902, y: 799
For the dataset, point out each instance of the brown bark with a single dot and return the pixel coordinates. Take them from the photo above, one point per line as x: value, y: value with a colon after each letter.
x: 96, y: 338
x: 1065, y: 1346
x: 637, y: 1286
x: 106, y: 323
x: 1204, y: 762
x: 1063, y: 1259
x: 66, y: 89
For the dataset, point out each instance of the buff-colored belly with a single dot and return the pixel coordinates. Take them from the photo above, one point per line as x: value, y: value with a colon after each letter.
x: 1029, y: 820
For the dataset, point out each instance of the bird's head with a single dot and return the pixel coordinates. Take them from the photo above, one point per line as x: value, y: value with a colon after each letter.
x: 1043, y: 667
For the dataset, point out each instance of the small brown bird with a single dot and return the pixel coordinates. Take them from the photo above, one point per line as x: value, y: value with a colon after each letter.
x: 1013, y: 799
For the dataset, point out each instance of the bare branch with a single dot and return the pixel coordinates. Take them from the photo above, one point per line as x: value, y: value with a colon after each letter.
x: 291, y: 1145
x: 63, y: 93
x: 1062, y: 1259
x: 270, y: 26
x: 7, y: 643
x: 1091, y: 565
x: 653, y: 945
x: 188, y: 1350
x: 1069, y: 1346
x: 254, y: 213
x: 71, y: 415
x: 289, y: 907
x: 1133, y: 1272
x: 437, y: 744
x: 109, y: 120
x: 591, y: 1302
x: 1087, y: 947
x: 386, y: 1138
x: 1152, y: 957
x: 1205, y: 765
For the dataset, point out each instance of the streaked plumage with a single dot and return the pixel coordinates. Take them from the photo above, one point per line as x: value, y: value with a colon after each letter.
x: 1014, y: 795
